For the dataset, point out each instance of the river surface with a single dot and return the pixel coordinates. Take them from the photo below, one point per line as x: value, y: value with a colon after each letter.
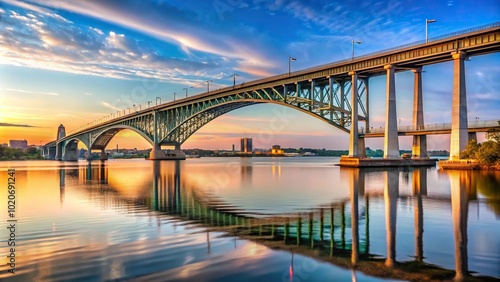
x: 247, y: 219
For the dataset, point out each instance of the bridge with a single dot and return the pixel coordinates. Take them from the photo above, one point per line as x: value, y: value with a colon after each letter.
x: 336, y: 93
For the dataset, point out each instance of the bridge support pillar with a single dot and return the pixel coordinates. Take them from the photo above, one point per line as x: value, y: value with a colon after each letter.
x: 459, y: 130
x: 70, y: 151
x: 104, y: 155
x: 472, y: 136
x: 419, y: 148
x: 354, y: 134
x: 88, y: 155
x: 391, y: 142
x: 59, y: 152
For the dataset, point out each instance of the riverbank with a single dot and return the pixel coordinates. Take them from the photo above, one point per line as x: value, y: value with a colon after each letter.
x: 468, y: 164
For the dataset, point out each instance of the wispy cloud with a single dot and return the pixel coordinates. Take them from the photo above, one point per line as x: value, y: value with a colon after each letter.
x: 108, y: 105
x: 4, y: 124
x: 30, y: 92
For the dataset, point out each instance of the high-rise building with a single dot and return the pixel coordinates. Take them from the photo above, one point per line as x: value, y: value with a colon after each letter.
x: 18, y: 144
x: 246, y: 145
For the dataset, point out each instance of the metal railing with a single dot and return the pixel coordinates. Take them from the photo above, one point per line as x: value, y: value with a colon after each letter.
x: 435, y: 127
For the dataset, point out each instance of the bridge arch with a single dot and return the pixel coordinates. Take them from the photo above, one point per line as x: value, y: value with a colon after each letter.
x: 102, y: 139
x: 180, y: 133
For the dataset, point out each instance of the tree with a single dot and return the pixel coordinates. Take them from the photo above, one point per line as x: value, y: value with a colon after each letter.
x: 31, y: 151
x: 489, y: 153
x: 493, y: 134
x: 471, y: 150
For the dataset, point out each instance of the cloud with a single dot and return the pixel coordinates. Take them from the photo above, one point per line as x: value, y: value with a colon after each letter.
x: 186, y: 29
x: 14, y: 125
x: 30, y: 92
x: 108, y: 105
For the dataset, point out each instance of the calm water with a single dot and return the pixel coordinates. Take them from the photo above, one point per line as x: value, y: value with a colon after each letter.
x: 249, y: 219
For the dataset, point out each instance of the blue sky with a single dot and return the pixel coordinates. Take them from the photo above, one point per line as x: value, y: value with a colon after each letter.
x: 74, y: 61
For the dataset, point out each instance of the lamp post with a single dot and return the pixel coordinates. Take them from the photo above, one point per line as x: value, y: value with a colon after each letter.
x: 157, y: 100
x: 149, y: 102
x: 208, y: 85
x: 234, y: 79
x: 357, y: 42
x: 427, y: 22
x: 290, y: 59
x: 174, y: 95
x: 134, y: 107
x: 185, y: 89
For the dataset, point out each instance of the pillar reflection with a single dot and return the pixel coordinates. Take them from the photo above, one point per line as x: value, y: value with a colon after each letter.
x: 391, y: 194
x: 419, y: 186
x: 354, y: 190
x: 459, y: 182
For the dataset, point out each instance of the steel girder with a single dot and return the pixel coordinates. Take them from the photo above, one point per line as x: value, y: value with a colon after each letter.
x: 326, y: 99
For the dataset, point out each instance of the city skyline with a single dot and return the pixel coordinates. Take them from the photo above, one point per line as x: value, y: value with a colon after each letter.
x: 73, y: 62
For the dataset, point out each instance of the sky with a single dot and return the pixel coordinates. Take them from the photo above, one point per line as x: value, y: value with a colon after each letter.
x: 71, y: 62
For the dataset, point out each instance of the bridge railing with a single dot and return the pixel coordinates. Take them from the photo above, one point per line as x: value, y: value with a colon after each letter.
x: 135, y: 109
x: 435, y: 127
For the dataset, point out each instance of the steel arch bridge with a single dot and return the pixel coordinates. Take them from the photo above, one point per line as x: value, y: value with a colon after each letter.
x: 337, y: 93
x: 174, y: 122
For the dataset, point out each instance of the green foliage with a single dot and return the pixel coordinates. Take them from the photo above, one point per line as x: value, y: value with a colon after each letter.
x: 493, y: 134
x: 489, y: 153
x: 7, y: 154
x: 471, y: 150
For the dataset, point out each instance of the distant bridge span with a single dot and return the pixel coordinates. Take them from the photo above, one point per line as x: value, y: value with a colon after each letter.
x: 327, y: 92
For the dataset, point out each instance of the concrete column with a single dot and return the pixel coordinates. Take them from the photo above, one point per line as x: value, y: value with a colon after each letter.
x: 353, y: 138
x: 59, y: 152
x: 419, y: 148
x: 458, y: 138
x: 367, y: 105
x: 104, y: 155
x: 88, y: 155
x: 391, y: 142
x: 459, y: 208
x: 391, y: 194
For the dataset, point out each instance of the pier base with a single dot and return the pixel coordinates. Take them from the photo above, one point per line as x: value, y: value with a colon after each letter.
x: 158, y: 154
x: 368, y: 162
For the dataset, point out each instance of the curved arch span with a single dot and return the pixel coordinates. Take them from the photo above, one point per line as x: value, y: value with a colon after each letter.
x: 187, y: 128
x: 103, y: 138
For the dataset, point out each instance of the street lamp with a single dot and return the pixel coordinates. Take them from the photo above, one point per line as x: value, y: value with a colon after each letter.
x: 157, y: 100
x: 134, y: 107
x: 208, y: 85
x: 427, y: 22
x: 357, y: 42
x: 174, y: 95
x: 185, y: 89
x: 290, y: 59
x: 149, y: 102
x: 234, y: 79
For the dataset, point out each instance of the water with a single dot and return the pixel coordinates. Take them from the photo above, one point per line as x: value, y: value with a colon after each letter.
x: 238, y: 219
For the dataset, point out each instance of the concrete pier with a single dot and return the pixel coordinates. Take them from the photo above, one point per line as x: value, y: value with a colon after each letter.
x: 419, y: 148
x: 353, y: 137
x: 459, y: 132
x: 391, y: 142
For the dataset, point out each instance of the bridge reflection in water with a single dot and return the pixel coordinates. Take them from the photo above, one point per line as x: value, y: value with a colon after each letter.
x: 322, y: 232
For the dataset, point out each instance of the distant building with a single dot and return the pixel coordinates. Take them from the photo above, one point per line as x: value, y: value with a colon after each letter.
x: 18, y: 144
x: 246, y: 145
x: 276, y: 150
x: 4, y: 145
